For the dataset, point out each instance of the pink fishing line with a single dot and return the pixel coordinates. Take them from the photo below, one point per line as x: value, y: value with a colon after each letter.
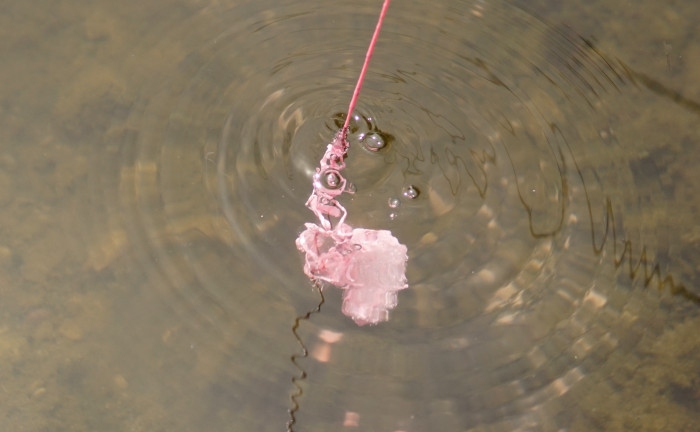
x: 363, y: 71
x: 369, y: 265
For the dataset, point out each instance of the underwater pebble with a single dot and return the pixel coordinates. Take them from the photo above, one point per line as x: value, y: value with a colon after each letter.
x: 38, y: 392
x: 429, y: 238
x: 440, y: 204
x: 486, y: 276
x: 5, y: 254
x: 120, y: 382
x: 70, y: 331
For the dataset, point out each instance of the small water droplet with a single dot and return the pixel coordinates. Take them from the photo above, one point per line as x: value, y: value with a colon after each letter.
x: 410, y: 192
x: 350, y: 188
x: 394, y: 202
x: 373, y: 142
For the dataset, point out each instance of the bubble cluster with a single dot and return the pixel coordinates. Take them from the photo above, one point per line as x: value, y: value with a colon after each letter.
x: 363, y: 131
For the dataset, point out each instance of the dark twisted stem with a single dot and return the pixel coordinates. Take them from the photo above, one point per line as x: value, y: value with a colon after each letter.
x: 304, y: 353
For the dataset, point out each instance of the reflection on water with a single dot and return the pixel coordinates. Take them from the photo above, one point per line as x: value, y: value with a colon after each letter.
x: 157, y: 159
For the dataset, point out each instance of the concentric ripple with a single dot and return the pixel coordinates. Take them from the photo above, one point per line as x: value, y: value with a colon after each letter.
x: 502, y: 129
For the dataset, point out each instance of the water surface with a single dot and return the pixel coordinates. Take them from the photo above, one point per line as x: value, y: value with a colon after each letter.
x: 156, y: 160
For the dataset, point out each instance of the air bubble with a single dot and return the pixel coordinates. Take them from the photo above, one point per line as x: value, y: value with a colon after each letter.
x: 331, y: 180
x: 358, y: 124
x: 410, y: 192
x: 394, y: 202
x: 393, y: 216
x: 373, y: 142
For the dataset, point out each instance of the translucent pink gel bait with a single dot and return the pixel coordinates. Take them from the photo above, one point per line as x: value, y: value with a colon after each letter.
x: 369, y: 265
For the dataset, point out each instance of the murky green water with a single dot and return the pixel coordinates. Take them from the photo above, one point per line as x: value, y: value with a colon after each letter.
x: 155, y: 161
